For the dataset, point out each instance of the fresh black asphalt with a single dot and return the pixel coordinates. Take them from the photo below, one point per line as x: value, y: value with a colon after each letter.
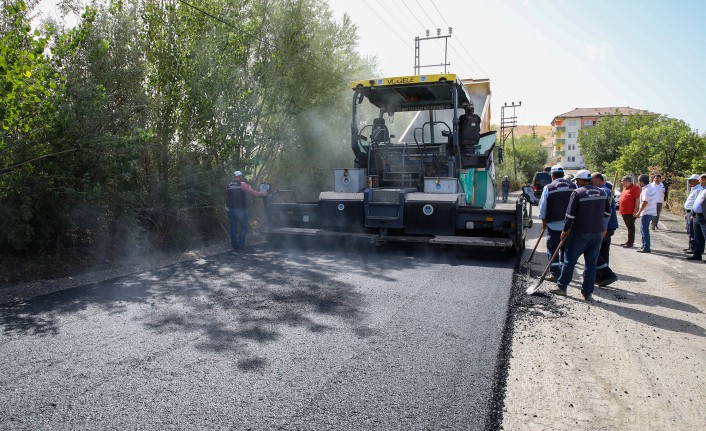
x: 293, y: 339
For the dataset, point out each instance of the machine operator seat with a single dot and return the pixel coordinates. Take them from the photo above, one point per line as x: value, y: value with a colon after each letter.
x: 379, y: 132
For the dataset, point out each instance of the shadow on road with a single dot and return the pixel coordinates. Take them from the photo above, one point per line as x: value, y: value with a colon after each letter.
x: 230, y: 302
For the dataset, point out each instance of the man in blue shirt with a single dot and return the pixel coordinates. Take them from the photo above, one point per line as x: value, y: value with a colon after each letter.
x: 552, y: 210
x: 697, y: 215
x: 694, y: 190
x: 584, y: 228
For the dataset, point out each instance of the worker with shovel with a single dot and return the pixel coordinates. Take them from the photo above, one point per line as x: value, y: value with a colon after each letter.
x: 552, y: 211
x: 585, y: 226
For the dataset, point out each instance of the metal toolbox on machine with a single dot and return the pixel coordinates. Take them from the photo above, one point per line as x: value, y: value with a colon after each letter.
x: 440, y: 185
x: 349, y: 180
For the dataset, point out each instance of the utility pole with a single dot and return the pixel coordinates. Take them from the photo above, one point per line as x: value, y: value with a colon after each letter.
x: 508, y: 123
x: 417, y: 39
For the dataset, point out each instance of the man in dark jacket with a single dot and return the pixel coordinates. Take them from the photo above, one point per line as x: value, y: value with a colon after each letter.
x: 469, y: 129
x: 584, y: 228
x: 237, y: 205
x: 506, y: 187
x: 552, y: 211
x: 604, y: 275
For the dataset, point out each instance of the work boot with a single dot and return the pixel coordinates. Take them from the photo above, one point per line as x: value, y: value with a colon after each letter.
x: 558, y: 291
x: 588, y: 298
x: 608, y: 280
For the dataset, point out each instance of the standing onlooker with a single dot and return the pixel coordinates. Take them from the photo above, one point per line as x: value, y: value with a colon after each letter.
x: 506, y: 187
x: 659, y: 198
x: 629, y: 201
x: 552, y: 211
x: 694, y: 189
x: 237, y: 205
x: 697, y: 215
x: 604, y: 275
x: 584, y: 228
x: 646, y: 211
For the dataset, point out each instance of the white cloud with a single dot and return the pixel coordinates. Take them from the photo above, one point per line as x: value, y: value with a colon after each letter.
x: 596, y: 53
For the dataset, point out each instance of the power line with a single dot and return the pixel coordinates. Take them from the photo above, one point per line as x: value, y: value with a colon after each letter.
x: 391, y: 28
x: 439, y: 12
x: 415, y: 16
x: 425, y: 13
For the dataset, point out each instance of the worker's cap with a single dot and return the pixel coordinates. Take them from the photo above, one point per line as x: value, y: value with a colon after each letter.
x: 467, y: 104
x: 557, y: 168
x: 583, y: 174
x: 507, y: 177
x: 693, y: 177
x: 237, y: 174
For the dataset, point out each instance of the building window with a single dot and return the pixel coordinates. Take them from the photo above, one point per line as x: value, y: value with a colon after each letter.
x: 572, y: 134
x: 571, y: 158
x: 571, y: 122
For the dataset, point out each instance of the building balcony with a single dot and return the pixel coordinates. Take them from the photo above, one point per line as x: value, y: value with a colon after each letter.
x: 559, y: 153
x: 560, y: 129
x: 559, y: 141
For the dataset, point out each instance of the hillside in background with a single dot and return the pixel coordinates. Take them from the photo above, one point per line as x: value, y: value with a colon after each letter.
x: 541, y: 131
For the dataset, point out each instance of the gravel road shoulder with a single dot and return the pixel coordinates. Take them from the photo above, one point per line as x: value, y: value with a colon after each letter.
x: 634, y: 359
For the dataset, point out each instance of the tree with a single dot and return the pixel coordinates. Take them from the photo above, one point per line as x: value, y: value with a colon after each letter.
x: 640, y: 143
x: 601, y: 144
x: 528, y: 153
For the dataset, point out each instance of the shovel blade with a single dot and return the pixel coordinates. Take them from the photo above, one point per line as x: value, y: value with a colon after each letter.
x: 532, y: 289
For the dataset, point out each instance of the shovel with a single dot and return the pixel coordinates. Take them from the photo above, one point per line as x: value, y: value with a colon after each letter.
x: 532, y: 289
x: 541, y: 235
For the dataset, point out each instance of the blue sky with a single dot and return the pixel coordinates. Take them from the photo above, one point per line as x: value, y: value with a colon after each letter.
x: 553, y: 56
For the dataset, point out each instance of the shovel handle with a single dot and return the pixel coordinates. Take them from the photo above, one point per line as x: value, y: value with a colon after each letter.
x: 541, y: 235
x: 549, y: 265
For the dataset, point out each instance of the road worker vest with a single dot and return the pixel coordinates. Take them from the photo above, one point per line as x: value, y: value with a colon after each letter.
x: 236, y: 195
x: 558, y: 194
x: 588, y: 206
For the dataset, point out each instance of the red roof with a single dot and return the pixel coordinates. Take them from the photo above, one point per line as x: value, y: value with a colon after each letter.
x: 599, y: 112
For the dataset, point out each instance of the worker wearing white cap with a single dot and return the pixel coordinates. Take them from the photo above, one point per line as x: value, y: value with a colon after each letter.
x: 237, y: 206
x: 552, y: 211
x: 584, y: 228
x: 697, y: 215
x: 693, y: 181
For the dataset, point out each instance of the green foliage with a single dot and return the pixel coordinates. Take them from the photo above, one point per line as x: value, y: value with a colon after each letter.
x: 642, y: 143
x: 527, y: 157
x: 124, y: 130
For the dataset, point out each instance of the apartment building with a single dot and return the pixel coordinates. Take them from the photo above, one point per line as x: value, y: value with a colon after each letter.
x: 565, y: 148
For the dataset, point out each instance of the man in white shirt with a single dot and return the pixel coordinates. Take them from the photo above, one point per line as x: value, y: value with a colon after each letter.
x: 659, y: 198
x: 697, y: 215
x: 694, y: 189
x: 646, y: 212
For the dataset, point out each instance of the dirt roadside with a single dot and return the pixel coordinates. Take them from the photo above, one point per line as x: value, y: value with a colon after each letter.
x: 634, y: 359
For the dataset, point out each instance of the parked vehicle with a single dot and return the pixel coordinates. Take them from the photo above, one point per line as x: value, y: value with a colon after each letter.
x: 539, y: 180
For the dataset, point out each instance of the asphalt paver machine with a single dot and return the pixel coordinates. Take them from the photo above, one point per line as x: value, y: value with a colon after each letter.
x: 428, y: 186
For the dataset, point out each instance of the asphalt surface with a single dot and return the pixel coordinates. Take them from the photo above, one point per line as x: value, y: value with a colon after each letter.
x: 311, y: 338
